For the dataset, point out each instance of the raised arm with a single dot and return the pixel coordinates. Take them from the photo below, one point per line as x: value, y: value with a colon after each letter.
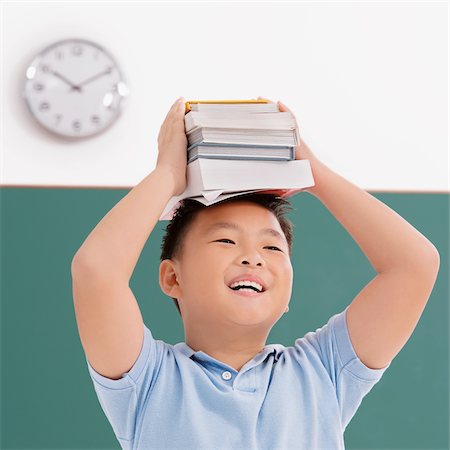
x: 108, y: 316
x: 382, y: 317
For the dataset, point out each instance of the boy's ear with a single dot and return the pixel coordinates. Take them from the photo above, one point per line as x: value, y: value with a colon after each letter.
x: 168, y: 278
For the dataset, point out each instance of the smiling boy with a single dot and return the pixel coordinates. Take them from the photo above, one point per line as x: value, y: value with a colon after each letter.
x: 236, y: 240
x: 224, y: 387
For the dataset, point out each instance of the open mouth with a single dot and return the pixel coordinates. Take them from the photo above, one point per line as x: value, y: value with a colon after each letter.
x: 247, y: 291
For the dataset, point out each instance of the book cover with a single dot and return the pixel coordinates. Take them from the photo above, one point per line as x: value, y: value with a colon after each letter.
x: 189, y: 102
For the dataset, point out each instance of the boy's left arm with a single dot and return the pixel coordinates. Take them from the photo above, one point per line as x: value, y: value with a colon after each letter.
x: 382, y: 317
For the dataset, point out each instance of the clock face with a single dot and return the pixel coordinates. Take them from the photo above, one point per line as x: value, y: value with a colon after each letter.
x: 74, y: 88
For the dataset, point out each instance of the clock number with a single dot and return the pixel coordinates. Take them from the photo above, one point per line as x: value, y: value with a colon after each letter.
x: 59, y: 54
x: 95, y: 120
x: 77, y: 50
x: 45, y: 68
x: 38, y: 87
x: 76, y: 125
x: 57, y: 118
x: 44, y: 106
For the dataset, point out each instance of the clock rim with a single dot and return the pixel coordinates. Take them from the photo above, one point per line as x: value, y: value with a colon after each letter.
x: 40, y: 55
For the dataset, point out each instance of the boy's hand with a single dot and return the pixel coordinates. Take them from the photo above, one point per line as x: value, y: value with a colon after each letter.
x: 172, y: 145
x: 302, y: 151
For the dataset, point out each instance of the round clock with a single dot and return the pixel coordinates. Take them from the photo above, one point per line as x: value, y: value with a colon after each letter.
x: 74, y: 88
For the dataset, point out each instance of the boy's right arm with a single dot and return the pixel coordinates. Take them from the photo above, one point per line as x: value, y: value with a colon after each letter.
x: 109, y: 320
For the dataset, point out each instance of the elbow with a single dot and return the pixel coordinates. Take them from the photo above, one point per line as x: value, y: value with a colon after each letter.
x: 421, y: 263
x: 80, y: 262
x: 76, y: 260
x: 436, y: 258
x: 431, y: 262
x: 75, y: 267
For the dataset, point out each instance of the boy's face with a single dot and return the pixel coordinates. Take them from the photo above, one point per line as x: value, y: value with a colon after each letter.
x: 213, y: 257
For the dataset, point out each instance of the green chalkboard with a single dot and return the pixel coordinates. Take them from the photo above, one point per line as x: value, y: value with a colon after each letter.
x: 48, y: 400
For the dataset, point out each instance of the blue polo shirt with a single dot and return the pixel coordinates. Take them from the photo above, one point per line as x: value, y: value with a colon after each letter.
x: 296, y: 397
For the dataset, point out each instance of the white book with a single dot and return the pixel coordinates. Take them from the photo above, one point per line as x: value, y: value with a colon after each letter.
x: 212, y: 180
x: 274, y: 121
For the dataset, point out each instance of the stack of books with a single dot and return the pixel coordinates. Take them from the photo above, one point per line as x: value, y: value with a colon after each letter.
x: 240, y: 146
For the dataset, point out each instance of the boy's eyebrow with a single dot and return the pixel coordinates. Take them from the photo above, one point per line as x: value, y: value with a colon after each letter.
x: 234, y: 226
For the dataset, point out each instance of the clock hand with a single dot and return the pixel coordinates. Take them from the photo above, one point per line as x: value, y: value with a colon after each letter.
x: 105, y: 72
x: 57, y: 74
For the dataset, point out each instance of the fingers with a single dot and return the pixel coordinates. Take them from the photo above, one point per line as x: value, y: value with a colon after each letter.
x: 178, y: 105
x: 175, y: 109
x: 283, y: 107
x: 177, y: 101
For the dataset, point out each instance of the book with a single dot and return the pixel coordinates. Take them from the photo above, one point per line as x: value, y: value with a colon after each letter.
x: 233, y: 122
x: 237, y: 147
x: 245, y: 120
x: 240, y: 151
x: 210, y: 180
x: 229, y: 136
x: 239, y: 105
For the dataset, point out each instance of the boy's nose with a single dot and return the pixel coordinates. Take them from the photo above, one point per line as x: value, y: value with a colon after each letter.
x: 256, y: 261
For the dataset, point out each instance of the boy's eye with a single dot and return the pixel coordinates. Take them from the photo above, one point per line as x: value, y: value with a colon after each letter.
x: 221, y: 240
x: 229, y: 240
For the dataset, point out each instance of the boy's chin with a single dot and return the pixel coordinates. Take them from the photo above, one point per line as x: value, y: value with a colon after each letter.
x: 250, y: 308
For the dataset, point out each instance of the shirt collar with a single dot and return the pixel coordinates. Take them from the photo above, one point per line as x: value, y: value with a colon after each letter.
x: 275, y: 349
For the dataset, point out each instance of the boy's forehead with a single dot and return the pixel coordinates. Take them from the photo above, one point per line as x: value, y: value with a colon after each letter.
x: 229, y: 211
x: 229, y: 216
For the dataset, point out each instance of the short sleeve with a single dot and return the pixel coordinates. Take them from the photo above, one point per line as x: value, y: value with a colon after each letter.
x: 351, y: 378
x: 121, y: 399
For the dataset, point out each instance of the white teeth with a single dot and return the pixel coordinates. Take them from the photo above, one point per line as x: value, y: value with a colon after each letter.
x: 247, y: 283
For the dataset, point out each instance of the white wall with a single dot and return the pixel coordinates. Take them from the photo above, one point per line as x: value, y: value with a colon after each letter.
x: 368, y: 83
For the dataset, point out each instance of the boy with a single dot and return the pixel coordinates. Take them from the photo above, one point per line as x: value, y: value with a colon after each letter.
x: 224, y: 387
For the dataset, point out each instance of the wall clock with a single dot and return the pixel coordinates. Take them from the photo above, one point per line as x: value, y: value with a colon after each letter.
x: 74, y: 88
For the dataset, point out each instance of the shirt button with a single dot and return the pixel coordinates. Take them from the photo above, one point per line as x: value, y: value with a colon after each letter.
x: 226, y: 375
